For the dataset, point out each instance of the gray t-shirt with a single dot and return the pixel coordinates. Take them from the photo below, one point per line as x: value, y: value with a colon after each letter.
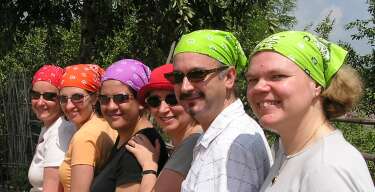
x: 181, y: 158
x: 330, y: 164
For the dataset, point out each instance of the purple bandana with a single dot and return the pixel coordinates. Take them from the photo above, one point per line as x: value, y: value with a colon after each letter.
x: 130, y: 72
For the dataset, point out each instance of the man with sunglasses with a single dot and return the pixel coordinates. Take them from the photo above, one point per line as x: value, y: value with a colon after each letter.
x: 233, y: 153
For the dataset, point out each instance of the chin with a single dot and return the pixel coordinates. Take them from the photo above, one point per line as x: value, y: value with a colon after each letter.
x: 169, y: 129
x: 42, y: 118
x: 116, y: 125
x: 267, y: 120
x: 76, y: 122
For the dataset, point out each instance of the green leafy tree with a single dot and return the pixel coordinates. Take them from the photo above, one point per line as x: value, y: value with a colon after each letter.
x: 365, y: 64
x: 325, y: 27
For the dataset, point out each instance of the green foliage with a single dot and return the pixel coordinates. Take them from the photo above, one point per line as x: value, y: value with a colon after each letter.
x: 325, y: 27
x: 365, y: 28
x: 362, y: 137
x: 365, y: 64
x: 119, y: 45
x: 19, y: 18
x: 103, y: 31
x: 41, y: 47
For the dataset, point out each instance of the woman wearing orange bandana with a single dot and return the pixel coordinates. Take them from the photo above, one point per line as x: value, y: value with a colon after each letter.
x: 91, y: 144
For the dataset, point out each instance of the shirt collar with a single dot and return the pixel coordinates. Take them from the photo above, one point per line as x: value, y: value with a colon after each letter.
x: 235, y: 109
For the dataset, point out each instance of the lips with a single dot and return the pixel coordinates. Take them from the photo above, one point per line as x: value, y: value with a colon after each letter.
x: 72, y: 115
x: 41, y: 111
x: 264, y: 106
x: 167, y: 119
x: 115, y: 116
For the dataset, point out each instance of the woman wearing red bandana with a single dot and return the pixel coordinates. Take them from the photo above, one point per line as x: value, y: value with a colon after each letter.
x: 91, y: 144
x: 55, y: 134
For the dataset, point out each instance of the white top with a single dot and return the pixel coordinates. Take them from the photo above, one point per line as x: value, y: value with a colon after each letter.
x: 330, y: 164
x: 50, y: 151
x: 232, y: 155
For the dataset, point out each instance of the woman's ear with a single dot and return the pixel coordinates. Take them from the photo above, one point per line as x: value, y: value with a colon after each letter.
x: 317, y: 90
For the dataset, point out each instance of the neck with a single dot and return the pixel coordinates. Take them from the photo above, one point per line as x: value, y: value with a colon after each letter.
x: 126, y: 133
x: 206, y: 120
x: 299, y: 134
x: 79, y: 125
x: 48, y: 123
x: 178, y: 138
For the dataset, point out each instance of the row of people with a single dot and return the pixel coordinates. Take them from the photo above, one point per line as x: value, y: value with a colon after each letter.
x: 296, y: 83
x: 90, y: 164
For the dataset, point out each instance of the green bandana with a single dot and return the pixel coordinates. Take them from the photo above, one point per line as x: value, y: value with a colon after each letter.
x: 220, y: 45
x: 319, y: 58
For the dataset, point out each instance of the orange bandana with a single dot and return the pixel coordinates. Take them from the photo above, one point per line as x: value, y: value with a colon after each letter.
x: 85, y: 76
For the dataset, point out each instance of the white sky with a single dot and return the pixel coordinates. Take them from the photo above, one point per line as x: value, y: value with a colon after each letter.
x: 344, y: 11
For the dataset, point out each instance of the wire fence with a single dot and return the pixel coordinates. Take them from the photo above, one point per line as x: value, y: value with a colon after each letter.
x: 18, y: 133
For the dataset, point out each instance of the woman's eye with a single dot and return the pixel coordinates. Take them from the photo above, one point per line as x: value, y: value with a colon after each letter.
x: 278, y: 77
x: 251, y: 80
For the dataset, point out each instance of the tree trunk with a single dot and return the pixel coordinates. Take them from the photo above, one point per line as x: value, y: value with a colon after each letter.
x: 95, y: 25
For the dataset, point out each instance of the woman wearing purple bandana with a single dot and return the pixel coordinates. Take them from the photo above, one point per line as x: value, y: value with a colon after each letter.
x: 118, y: 102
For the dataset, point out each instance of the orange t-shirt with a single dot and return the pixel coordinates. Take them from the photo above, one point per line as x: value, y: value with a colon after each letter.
x: 90, y: 145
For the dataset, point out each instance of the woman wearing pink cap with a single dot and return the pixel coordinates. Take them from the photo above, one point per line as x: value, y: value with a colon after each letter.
x: 118, y: 102
x: 159, y: 97
x: 91, y: 144
x: 56, y: 131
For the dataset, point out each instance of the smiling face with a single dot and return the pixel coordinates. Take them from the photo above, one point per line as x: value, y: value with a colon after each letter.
x: 119, y: 115
x: 278, y: 91
x: 46, y: 111
x: 172, y: 119
x: 203, y: 100
x: 77, y: 112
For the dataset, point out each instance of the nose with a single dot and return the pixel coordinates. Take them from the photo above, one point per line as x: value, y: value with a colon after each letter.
x: 164, y: 107
x: 40, y: 101
x: 112, y: 105
x: 69, y: 105
x: 261, y: 85
x: 186, y: 85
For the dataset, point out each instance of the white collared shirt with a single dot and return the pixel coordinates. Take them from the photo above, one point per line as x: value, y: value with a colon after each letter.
x: 232, y: 155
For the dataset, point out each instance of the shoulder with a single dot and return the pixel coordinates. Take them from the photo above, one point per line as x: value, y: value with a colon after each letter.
x: 336, y: 177
x: 151, y: 133
x: 334, y: 161
x: 189, y: 142
x: 336, y: 151
x: 67, y: 126
x: 95, y: 122
x: 60, y: 129
x: 95, y: 127
x: 184, y: 152
x: 244, y: 132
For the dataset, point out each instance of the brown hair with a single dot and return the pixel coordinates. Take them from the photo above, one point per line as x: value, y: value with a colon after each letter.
x: 343, y: 93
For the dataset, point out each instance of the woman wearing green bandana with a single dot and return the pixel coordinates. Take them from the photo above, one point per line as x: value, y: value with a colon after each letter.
x: 296, y: 84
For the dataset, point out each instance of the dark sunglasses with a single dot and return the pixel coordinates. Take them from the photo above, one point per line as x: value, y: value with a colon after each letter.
x: 155, y: 101
x: 75, y: 98
x: 197, y: 75
x: 118, y: 98
x: 48, y: 96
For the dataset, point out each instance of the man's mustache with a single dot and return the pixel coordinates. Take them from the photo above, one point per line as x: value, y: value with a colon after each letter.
x: 185, y: 96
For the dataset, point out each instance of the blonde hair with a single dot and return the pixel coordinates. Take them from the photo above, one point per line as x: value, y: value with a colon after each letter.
x: 343, y: 93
